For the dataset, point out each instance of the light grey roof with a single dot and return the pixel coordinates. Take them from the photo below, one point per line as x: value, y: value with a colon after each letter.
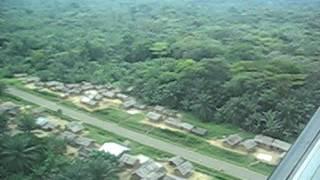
x: 233, y: 139
x: 185, y: 168
x: 49, y: 126
x: 128, y: 159
x: 74, y: 127
x: 159, y: 109
x: 98, y: 97
x: 140, y: 106
x: 153, y: 116
x: 147, y: 168
x: 68, y: 136
x: 186, y: 126
x: 129, y: 104
x: 53, y: 84
x: 32, y: 79
x: 264, y: 140
x: 284, y: 146
x: 109, y: 94
x: 41, y: 121
x: 83, y: 141
x: 199, y: 131
x: 122, y: 96
x: 173, y: 122
x: 176, y: 160
x: 156, y: 175
x: 249, y: 144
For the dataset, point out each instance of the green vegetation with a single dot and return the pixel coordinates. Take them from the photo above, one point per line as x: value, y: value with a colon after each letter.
x: 252, y: 67
x: 26, y: 156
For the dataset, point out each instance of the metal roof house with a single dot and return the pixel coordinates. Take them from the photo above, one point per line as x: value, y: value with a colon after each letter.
x: 233, y: 140
x: 155, y: 117
x: 114, y: 149
x: 185, y: 169
x: 150, y: 170
x: 248, y: 145
x: 302, y: 161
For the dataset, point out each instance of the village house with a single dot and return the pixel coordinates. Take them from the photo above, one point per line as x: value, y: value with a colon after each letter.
x: 121, y: 96
x: 149, y: 170
x: 50, y: 126
x: 172, y: 122
x: 74, y: 127
x: 280, y: 146
x: 248, y: 145
x: 199, y: 131
x: 264, y: 141
x: 114, y: 149
x: 155, y: 117
x: 186, y: 126
x: 109, y: 94
x: 129, y: 161
x: 41, y: 121
x: 232, y: 140
x: 32, y: 80
x: 129, y: 104
x: 83, y: 142
x: 176, y: 161
x: 185, y: 169
x: 140, y: 106
x: 88, y: 101
x: 159, y: 109
x: 68, y: 136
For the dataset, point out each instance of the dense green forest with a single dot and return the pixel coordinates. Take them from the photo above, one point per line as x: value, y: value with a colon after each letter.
x: 251, y: 63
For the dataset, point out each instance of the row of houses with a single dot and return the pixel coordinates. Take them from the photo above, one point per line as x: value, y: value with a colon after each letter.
x: 176, y: 123
x: 145, y: 168
x: 259, y: 140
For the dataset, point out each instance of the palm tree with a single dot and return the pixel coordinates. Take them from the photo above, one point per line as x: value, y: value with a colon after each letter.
x: 26, y: 123
x: 3, y: 123
x: 20, y: 153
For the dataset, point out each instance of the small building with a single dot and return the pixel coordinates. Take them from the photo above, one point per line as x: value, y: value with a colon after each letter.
x: 114, y: 149
x: 199, y: 131
x: 142, y: 158
x: 121, y: 96
x: 280, y: 145
x: 176, y: 161
x: 9, y: 108
x: 140, y: 106
x: 185, y: 169
x: 32, y: 80
x: 129, y: 104
x: 109, y: 94
x: 49, y: 126
x: 41, y: 121
x: 264, y: 141
x: 155, y: 117
x: 186, y: 126
x: 173, y: 122
x: 150, y: 170
x: 83, y: 142
x: 68, y: 136
x: 74, y: 127
x: 159, y: 109
x: 51, y: 84
x: 84, y: 152
x: 98, y: 97
x: 129, y: 160
x: 233, y: 140
x: 88, y: 101
x: 249, y: 145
